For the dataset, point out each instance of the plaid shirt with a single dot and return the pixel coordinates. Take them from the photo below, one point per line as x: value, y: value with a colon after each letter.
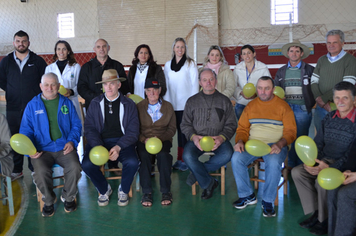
x: 155, y: 111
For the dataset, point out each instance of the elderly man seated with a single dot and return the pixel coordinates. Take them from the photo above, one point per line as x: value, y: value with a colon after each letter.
x: 271, y: 120
x: 208, y: 113
x: 112, y: 122
x: 6, y: 162
x: 334, y: 141
x: 51, y: 122
x: 157, y: 119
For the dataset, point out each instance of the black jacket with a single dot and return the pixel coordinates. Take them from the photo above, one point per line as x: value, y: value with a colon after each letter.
x: 306, y: 73
x: 91, y: 73
x: 21, y: 87
x: 154, y: 70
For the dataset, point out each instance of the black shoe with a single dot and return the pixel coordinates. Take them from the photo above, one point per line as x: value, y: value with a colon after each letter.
x: 208, y: 193
x: 320, y: 228
x: 48, y: 211
x: 70, y: 206
x: 191, y: 179
x: 310, y: 222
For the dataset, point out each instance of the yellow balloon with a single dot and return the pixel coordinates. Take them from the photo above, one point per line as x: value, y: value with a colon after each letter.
x: 22, y: 144
x: 278, y: 91
x: 306, y: 150
x: 62, y: 90
x: 99, y: 155
x: 257, y: 148
x: 207, y: 143
x: 135, y: 98
x: 249, y: 90
x: 333, y: 106
x: 330, y: 178
x: 153, y: 145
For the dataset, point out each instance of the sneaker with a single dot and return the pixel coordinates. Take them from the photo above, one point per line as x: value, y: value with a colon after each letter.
x: 70, y: 206
x: 15, y: 176
x: 123, y: 198
x: 242, y: 202
x: 176, y: 165
x: 183, y: 166
x: 268, y: 210
x: 48, y: 211
x: 103, y: 199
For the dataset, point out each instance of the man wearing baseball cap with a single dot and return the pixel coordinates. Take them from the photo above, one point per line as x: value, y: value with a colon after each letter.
x: 294, y: 78
x: 112, y: 122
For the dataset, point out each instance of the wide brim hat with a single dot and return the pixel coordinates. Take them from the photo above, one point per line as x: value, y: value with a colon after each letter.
x: 110, y: 75
x: 296, y: 43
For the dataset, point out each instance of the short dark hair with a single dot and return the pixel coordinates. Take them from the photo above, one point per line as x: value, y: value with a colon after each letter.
x: 21, y: 33
x: 208, y: 69
x: 248, y: 46
x: 265, y: 78
x: 344, y: 85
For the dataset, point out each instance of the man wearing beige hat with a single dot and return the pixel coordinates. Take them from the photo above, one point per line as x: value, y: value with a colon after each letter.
x: 112, y: 121
x: 294, y: 78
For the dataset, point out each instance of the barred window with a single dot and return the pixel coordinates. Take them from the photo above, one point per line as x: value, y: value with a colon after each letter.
x: 65, y: 25
x: 281, y: 10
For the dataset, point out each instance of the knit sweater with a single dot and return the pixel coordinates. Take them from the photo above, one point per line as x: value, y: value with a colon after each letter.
x: 335, y: 139
x: 267, y: 121
x: 213, y: 118
x: 164, y: 128
x: 327, y: 74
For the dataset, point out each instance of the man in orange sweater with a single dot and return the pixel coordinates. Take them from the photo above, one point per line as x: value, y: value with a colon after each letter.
x: 270, y: 120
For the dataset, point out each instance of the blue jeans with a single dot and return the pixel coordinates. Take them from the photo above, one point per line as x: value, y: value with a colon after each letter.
x: 273, y: 165
x: 239, y: 108
x: 127, y: 157
x: 319, y: 115
x: 201, y: 170
x: 303, y: 120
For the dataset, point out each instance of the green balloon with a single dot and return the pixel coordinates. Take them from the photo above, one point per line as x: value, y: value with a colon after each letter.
x: 22, y: 144
x: 207, y: 143
x: 306, y: 150
x: 278, y: 91
x: 99, y: 155
x: 333, y: 106
x: 330, y: 178
x: 153, y: 145
x: 249, y: 90
x: 135, y: 98
x: 257, y: 148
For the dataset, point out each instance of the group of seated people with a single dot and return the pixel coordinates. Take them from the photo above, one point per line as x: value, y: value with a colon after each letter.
x: 115, y: 122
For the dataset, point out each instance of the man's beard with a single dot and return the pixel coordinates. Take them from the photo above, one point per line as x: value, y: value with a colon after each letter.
x: 25, y: 49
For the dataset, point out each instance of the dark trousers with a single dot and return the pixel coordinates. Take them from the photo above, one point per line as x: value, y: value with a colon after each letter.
x: 164, y: 163
x: 43, y: 174
x: 127, y: 157
x: 14, y: 120
x: 182, y: 141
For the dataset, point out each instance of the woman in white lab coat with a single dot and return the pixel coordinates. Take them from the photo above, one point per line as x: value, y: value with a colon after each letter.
x: 67, y: 69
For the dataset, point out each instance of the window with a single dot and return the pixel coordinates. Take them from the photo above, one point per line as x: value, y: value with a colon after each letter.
x: 65, y: 25
x: 281, y: 10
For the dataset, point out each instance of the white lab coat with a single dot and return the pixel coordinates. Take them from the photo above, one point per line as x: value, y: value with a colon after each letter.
x: 69, y: 79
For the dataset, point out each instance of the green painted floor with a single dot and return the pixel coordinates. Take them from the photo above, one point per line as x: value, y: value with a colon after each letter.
x: 188, y: 215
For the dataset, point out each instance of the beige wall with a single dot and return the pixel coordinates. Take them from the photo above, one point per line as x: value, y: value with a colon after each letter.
x: 39, y: 19
x: 245, y: 22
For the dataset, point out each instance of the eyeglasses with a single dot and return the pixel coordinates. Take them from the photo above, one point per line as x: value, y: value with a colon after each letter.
x: 110, y: 108
x: 209, y: 111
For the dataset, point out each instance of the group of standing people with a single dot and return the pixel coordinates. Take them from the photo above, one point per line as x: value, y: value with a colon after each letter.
x: 196, y: 103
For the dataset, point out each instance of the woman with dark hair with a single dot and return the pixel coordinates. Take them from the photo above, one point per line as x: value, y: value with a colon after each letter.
x: 215, y: 60
x: 182, y: 82
x: 143, y: 67
x: 247, y: 71
x: 67, y: 69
